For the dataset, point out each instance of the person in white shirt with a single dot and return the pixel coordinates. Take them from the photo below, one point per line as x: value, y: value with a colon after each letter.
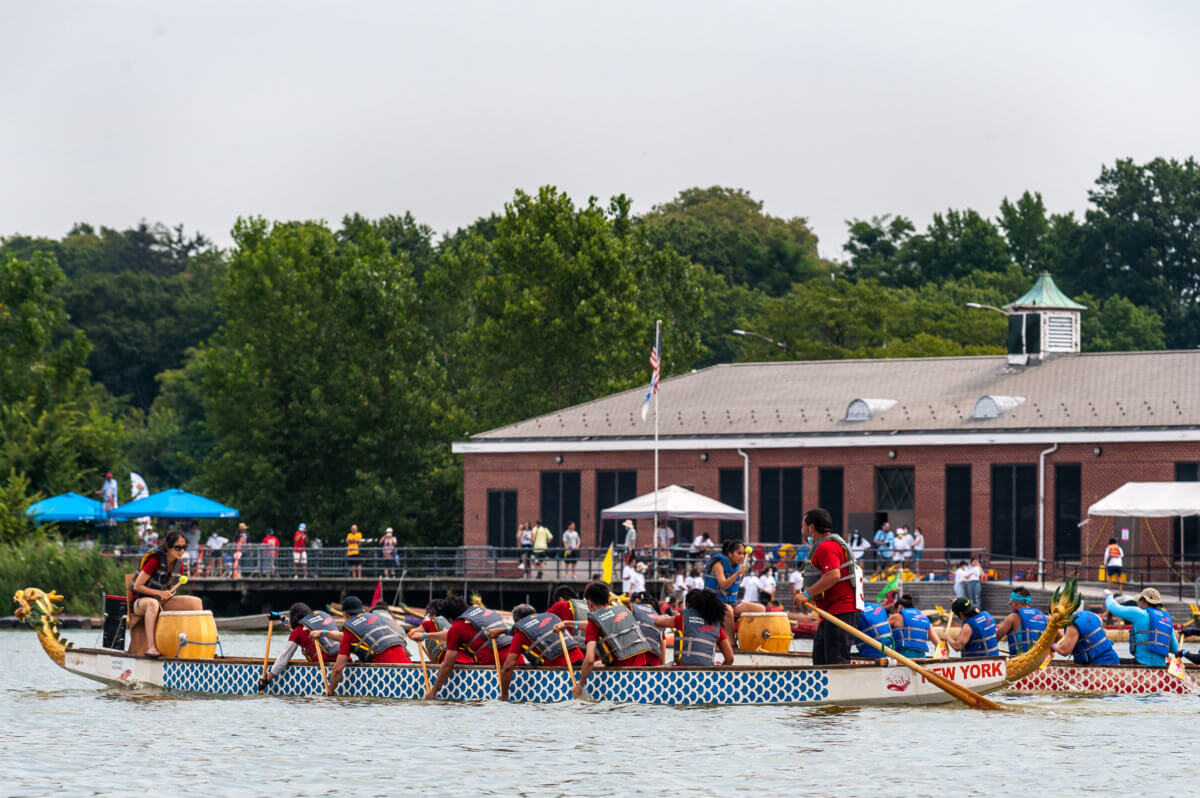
x: 750, y: 588
x: 570, y: 541
x: 918, y: 548
x: 664, y: 537
x: 627, y: 576
x: 901, y: 546
x: 858, y: 545
x: 679, y: 586
x: 695, y: 581
x: 637, y: 582
x: 767, y: 582
x: 960, y: 580
x: 1114, y: 564
x: 796, y: 580
x: 701, y: 544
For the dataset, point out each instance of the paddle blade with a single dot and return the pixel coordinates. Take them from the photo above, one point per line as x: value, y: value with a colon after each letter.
x: 1046, y: 661
x: 1175, y: 666
x: 942, y: 651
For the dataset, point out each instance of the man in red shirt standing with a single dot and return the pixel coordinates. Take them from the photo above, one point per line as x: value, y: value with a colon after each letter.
x: 270, y: 551
x: 829, y: 584
x: 300, y: 551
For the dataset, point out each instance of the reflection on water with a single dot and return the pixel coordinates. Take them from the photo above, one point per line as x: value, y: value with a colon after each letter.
x: 64, y: 734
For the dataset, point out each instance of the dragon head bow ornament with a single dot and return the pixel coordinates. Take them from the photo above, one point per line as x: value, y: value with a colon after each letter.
x: 37, y: 610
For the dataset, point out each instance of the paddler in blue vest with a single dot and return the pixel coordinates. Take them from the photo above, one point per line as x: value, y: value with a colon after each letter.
x: 977, y: 638
x: 699, y: 634
x: 723, y: 575
x: 369, y: 636
x: 1153, y: 634
x: 911, y: 630
x: 1086, y: 640
x: 468, y: 634
x: 535, y: 639
x: 1023, y: 625
x: 309, y: 630
x: 873, y: 620
x: 612, y: 634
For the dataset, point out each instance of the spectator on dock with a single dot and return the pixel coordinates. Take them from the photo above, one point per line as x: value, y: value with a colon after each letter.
x: 192, y: 536
x: 570, y: 541
x: 270, y: 550
x: 960, y: 579
x: 901, y: 548
x: 630, y: 536
x: 974, y: 583
x: 883, y: 545
x: 353, y: 556
x: 300, y: 552
x: 858, y: 545
x: 918, y: 549
x: 695, y: 580
x: 239, y: 547
x: 679, y: 584
x: 541, y: 542
x: 525, y: 543
x: 215, y: 544
x: 1114, y: 561
x: 702, y: 544
x: 387, y: 551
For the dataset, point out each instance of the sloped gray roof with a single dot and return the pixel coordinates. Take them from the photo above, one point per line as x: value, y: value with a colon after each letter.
x: 1079, y: 391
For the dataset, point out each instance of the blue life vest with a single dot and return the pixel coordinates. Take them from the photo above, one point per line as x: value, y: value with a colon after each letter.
x: 728, y: 594
x: 1093, y: 646
x: 874, y: 621
x: 1033, y: 623
x: 983, y: 641
x: 1154, y: 641
x: 913, y: 636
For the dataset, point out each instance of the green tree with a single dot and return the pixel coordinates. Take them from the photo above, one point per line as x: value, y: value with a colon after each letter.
x: 557, y: 308
x: 1117, y: 325
x: 321, y: 396
x: 955, y: 244
x: 875, y: 246
x: 726, y: 231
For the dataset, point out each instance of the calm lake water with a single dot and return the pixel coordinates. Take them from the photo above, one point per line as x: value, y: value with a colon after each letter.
x: 68, y: 735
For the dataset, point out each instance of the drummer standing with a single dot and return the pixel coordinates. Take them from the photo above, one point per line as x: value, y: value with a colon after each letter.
x: 832, y: 591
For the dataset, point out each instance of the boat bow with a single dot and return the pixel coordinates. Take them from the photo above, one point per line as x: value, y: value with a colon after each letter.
x: 38, y: 610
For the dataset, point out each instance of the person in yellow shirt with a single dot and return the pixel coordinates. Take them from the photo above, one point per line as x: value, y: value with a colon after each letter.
x: 541, y: 541
x: 353, y: 558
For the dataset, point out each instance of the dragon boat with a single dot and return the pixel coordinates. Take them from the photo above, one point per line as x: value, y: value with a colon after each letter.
x: 794, y: 684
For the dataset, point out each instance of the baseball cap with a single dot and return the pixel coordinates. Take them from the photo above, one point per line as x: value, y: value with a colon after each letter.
x: 303, y: 527
x: 352, y: 605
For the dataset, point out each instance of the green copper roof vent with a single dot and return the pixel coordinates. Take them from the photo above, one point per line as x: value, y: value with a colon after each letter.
x: 1045, y: 295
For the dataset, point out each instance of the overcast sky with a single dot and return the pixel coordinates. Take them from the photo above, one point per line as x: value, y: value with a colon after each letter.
x: 201, y: 112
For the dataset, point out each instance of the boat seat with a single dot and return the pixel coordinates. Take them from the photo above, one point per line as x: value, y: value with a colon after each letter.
x: 138, y: 642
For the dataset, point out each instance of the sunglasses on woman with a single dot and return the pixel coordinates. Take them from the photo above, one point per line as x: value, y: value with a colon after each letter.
x: 179, y: 548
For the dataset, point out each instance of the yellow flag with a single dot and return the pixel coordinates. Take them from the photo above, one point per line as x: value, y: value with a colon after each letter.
x: 607, y: 567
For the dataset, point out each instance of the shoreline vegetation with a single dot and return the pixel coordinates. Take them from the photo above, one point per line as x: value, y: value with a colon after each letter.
x: 317, y: 373
x: 80, y: 576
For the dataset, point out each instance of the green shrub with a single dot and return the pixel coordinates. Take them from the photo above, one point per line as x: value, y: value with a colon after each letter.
x: 82, y: 577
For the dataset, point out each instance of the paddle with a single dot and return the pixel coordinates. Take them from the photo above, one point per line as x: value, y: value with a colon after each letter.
x: 496, y: 656
x: 567, y: 653
x: 321, y: 661
x: 943, y: 648
x: 424, y: 668
x: 267, y: 653
x: 963, y: 694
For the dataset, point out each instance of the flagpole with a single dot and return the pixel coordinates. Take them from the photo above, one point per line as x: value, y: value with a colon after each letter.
x: 657, y: 339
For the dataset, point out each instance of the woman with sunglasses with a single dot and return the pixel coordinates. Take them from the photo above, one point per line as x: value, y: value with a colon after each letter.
x: 150, y: 592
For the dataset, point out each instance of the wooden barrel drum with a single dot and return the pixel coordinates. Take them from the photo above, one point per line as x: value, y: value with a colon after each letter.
x: 766, y: 631
x: 197, y: 625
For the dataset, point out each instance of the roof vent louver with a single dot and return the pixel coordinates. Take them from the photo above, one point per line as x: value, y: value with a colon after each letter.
x: 866, y: 409
x: 995, y: 406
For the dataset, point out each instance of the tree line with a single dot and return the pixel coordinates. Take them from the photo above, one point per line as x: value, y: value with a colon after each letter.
x: 318, y: 373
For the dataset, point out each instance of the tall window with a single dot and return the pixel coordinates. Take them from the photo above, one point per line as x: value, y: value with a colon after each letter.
x: 830, y: 494
x: 729, y: 491
x: 1014, y: 510
x: 560, y: 500
x: 502, y: 518
x: 613, y: 487
x: 780, y: 505
x: 1187, y: 530
x: 958, y: 507
x: 1067, y: 498
x: 895, y: 488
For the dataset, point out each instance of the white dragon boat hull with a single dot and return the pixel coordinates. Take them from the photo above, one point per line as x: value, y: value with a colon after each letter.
x: 847, y: 685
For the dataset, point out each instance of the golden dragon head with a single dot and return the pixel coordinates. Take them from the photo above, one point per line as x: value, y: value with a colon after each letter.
x: 37, y: 610
x: 1063, y: 606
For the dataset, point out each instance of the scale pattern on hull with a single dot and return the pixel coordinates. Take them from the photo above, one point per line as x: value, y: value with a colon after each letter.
x: 1098, y: 679
x: 661, y: 686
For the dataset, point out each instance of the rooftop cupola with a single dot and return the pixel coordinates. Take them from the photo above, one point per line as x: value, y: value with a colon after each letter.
x: 1043, y: 322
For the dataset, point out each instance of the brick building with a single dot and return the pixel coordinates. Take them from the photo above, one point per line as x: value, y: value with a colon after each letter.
x: 998, y: 452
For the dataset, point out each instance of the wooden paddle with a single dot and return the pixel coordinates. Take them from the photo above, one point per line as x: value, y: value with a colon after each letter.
x: 424, y: 668
x: 963, y: 694
x: 567, y: 653
x: 267, y: 653
x: 321, y: 660
x: 496, y: 656
x: 943, y: 648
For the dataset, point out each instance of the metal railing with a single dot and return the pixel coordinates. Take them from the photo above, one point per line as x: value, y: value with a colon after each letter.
x: 1139, y: 571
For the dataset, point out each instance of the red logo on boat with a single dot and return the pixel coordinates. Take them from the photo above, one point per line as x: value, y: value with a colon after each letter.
x: 897, y: 682
x: 125, y: 674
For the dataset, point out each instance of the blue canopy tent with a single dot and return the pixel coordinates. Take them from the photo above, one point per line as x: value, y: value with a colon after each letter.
x: 173, y: 503
x: 67, y: 507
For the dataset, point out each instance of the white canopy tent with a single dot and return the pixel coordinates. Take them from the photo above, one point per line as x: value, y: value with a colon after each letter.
x: 1150, y: 500
x: 675, y: 502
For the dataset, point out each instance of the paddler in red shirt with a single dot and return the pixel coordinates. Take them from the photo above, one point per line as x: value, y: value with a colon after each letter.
x: 829, y: 584
x: 309, y: 630
x: 432, y: 634
x: 612, y: 633
x: 535, y: 638
x: 468, y: 634
x: 572, y: 609
x: 372, y: 637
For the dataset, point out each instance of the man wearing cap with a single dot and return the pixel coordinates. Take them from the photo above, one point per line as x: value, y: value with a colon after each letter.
x: 630, y: 535
x: 300, y: 552
x: 370, y: 636
x: 270, y: 550
x: 1153, y: 633
x: 977, y: 638
x: 1023, y: 625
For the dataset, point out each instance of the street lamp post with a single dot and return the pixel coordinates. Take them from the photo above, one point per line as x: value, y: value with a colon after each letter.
x: 760, y: 335
x: 986, y: 307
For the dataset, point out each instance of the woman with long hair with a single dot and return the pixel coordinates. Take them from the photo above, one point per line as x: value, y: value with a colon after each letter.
x: 150, y: 592
x: 723, y: 575
x: 699, y: 633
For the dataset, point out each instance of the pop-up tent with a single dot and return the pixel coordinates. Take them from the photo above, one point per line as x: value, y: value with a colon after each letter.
x: 674, y: 502
x: 1150, y: 500
x: 173, y: 503
x: 66, y: 507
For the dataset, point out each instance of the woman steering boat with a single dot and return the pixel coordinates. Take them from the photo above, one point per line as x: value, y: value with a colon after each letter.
x: 152, y: 588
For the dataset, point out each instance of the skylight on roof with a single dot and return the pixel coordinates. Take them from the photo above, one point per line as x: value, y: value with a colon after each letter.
x: 866, y: 409
x: 995, y: 406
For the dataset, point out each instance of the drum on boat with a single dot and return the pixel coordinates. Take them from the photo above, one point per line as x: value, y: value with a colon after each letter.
x: 768, y: 631
x: 198, y: 628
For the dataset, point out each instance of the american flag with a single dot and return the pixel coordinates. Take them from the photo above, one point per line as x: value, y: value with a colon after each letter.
x: 654, y: 370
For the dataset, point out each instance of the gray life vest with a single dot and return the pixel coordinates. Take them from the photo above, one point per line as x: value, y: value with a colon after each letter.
x: 376, y: 633
x: 163, y: 577
x: 620, y: 634
x: 697, y: 643
x: 544, y: 644
x: 579, y: 616
x: 318, y: 621
x: 812, y: 573
x: 435, y: 648
x: 484, y: 619
x: 645, y: 615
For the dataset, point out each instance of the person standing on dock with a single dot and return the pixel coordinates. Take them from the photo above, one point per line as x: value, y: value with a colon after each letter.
x: 1114, y: 562
x: 1153, y: 633
x: 570, y: 541
x: 541, y: 542
x: 353, y: 555
x: 977, y: 638
x: 829, y: 583
x: 270, y: 550
x: 300, y: 552
x: 1023, y: 625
